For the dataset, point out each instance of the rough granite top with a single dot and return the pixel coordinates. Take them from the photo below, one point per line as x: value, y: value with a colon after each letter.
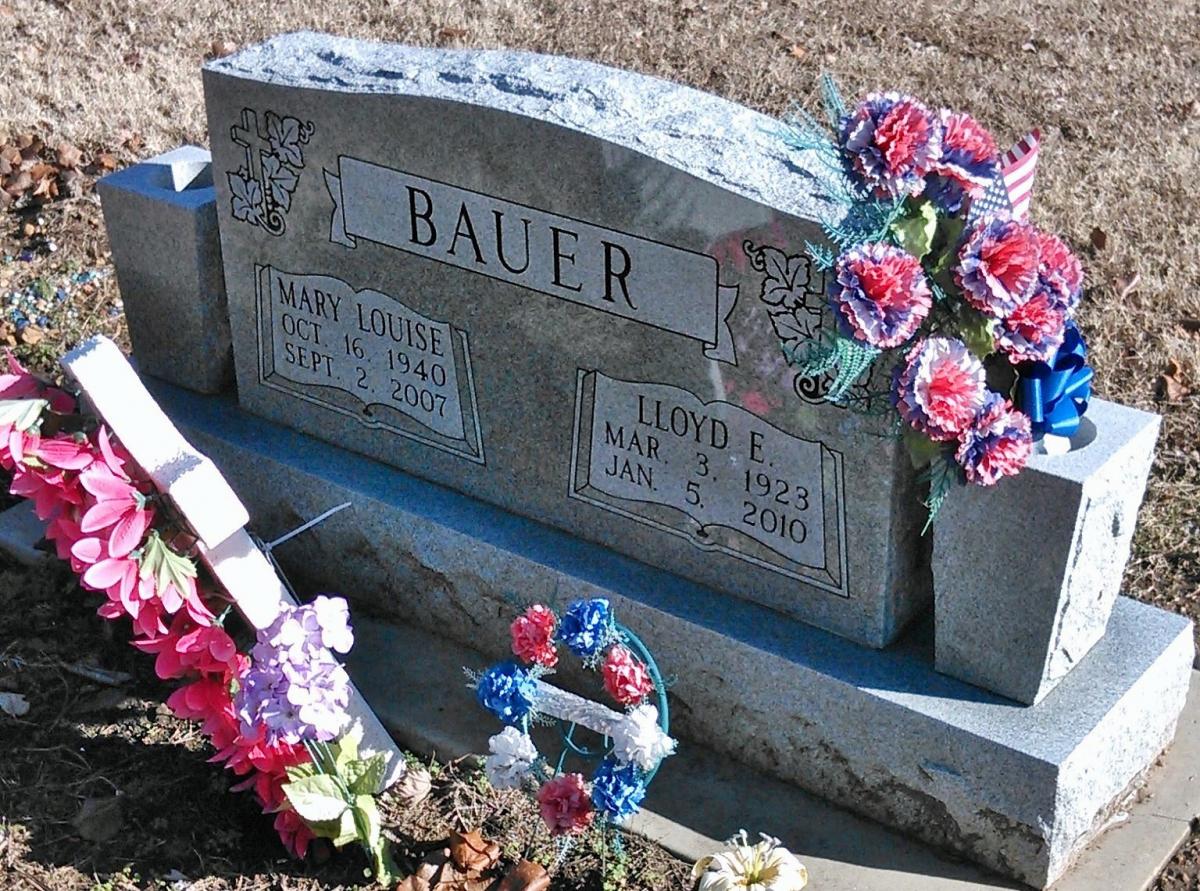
x: 716, y: 140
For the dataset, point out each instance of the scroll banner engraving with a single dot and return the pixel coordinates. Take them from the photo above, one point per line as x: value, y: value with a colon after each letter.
x: 712, y: 472
x: 366, y: 354
x: 660, y: 285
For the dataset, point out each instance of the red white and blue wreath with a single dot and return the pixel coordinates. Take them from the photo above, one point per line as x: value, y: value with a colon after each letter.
x: 634, y: 742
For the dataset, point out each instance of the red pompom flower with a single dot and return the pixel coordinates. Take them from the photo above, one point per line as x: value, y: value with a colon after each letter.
x: 533, y: 636
x: 625, y: 678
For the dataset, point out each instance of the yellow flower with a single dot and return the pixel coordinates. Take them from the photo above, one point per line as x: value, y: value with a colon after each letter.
x: 765, y: 866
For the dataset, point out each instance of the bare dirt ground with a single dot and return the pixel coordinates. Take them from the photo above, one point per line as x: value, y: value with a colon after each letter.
x: 1115, y: 88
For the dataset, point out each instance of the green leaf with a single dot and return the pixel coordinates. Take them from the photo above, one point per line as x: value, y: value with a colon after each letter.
x: 943, y: 475
x: 164, y: 565
x: 300, y: 771
x: 921, y: 449
x: 316, y: 798
x: 341, y: 831
x: 915, y: 230
x: 977, y: 332
x: 365, y: 777
x: 21, y: 413
x: 366, y: 816
x: 345, y: 750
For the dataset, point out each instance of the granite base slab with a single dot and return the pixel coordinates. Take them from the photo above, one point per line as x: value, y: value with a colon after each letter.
x: 1019, y: 789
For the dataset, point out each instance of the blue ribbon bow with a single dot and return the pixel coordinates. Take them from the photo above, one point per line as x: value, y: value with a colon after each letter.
x: 1055, y: 394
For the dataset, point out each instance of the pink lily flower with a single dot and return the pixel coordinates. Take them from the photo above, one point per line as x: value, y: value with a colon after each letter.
x: 120, y: 508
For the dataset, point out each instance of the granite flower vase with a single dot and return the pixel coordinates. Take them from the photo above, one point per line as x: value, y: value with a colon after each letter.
x: 1026, y: 572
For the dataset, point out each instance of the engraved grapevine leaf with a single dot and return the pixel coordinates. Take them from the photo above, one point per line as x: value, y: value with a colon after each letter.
x: 802, y: 323
x: 247, y: 204
x: 283, y: 134
x: 281, y: 180
x: 786, y: 279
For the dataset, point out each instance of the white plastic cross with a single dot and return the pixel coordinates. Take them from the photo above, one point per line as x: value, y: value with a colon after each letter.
x: 205, y: 500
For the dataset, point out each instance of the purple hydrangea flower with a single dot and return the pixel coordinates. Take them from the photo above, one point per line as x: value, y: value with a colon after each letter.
x: 295, y: 686
x: 879, y: 295
x: 892, y: 142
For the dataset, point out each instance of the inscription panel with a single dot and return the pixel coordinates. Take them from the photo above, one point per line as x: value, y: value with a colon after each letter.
x: 712, y: 472
x: 366, y: 354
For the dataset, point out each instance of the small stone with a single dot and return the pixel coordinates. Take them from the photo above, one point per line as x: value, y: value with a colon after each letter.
x: 31, y: 336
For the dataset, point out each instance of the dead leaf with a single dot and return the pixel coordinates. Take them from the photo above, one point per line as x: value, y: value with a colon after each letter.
x: 1170, y: 383
x: 31, y: 336
x: 222, y: 48
x: 413, y: 787
x: 472, y: 852
x: 1099, y: 238
x: 797, y: 52
x: 105, y: 161
x: 19, y: 183
x: 14, y: 705
x: 28, y: 230
x: 67, y: 155
x: 525, y: 876
x: 99, y: 819
x: 452, y: 32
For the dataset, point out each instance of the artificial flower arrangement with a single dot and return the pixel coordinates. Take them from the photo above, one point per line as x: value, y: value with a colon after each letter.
x: 936, y: 276
x: 634, y: 742
x: 276, y: 715
x: 765, y: 865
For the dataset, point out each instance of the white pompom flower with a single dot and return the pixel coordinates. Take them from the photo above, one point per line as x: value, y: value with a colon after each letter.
x: 512, y: 756
x: 638, y: 739
x: 765, y: 866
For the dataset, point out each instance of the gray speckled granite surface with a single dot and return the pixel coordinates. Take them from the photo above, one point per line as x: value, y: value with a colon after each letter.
x: 656, y: 416
x: 726, y: 143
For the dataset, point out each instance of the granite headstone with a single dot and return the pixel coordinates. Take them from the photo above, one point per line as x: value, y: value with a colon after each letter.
x: 561, y: 288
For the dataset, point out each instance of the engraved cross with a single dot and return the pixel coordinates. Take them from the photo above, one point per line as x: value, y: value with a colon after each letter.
x: 250, y: 138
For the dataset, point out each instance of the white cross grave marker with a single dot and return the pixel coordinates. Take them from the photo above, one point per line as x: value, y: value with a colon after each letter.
x: 205, y: 500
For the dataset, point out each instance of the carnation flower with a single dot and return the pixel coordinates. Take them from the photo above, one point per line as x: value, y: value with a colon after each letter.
x: 565, y: 805
x: 998, y: 444
x: 765, y: 866
x: 511, y: 759
x: 586, y: 627
x: 625, y: 678
x: 638, y: 739
x: 508, y: 691
x: 892, y: 141
x: 968, y: 162
x: 533, y: 637
x: 940, y: 389
x: 617, y: 789
x: 880, y: 296
x: 1034, y: 331
x: 1059, y: 271
x: 998, y: 265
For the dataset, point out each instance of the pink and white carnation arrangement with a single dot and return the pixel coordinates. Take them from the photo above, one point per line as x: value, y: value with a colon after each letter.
x: 881, y: 296
x: 935, y: 275
x: 892, y: 142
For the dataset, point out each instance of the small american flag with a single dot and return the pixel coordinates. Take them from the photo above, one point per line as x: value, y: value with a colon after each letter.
x: 1017, y: 166
x: 1010, y: 192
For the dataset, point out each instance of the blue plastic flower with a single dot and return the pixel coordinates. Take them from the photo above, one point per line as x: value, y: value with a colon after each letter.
x: 617, y: 789
x: 507, y: 691
x: 585, y: 627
